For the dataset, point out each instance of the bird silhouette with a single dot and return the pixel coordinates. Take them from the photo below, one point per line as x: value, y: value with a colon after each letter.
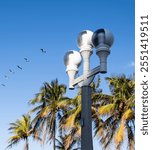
x: 6, y: 76
x: 19, y: 67
x: 43, y: 51
x: 3, y: 85
x: 10, y: 70
x: 26, y: 60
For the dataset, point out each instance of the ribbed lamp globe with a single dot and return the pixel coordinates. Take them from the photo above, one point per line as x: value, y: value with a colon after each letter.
x: 102, y: 37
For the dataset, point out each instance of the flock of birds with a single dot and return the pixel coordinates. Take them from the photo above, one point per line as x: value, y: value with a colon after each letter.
x: 19, y: 67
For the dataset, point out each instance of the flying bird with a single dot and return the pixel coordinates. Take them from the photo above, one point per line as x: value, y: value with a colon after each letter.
x: 3, y: 85
x: 43, y: 51
x: 6, y: 76
x: 26, y: 60
x: 11, y: 71
x: 19, y: 67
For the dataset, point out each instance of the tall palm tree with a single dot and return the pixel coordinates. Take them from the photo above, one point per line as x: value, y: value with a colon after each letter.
x: 50, y: 104
x: 117, y: 113
x: 21, y: 130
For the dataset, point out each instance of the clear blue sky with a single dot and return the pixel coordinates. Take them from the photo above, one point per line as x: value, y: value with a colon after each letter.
x: 26, y: 26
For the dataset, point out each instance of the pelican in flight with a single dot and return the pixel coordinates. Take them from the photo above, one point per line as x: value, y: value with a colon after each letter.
x: 43, y: 51
x: 19, y: 67
x: 3, y: 85
x: 26, y: 60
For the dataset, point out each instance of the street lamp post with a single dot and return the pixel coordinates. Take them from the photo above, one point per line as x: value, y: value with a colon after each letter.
x: 102, y: 40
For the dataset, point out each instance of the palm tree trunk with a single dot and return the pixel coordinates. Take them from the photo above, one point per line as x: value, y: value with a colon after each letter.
x: 54, y: 132
x: 26, y: 147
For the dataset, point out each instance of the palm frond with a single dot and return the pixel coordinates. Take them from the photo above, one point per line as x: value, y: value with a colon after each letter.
x: 119, y: 137
x: 128, y: 114
x: 106, y: 109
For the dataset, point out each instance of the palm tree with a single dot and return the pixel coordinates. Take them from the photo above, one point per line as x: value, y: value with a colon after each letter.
x: 117, y: 113
x: 62, y: 143
x: 50, y: 104
x: 21, y: 130
x: 70, y: 122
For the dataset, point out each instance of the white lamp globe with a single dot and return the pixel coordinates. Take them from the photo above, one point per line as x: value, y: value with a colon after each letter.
x: 84, y: 39
x: 72, y: 59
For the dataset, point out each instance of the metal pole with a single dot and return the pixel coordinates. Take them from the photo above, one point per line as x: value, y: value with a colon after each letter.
x: 86, y: 119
